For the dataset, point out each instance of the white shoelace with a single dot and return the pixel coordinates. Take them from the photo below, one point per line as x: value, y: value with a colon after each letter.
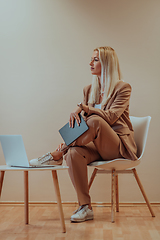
x: 78, y: 209
x: 45, y: 158
x: 81, y: 208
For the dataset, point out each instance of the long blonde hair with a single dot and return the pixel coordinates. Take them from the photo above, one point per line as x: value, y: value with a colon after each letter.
x: 110, y: 75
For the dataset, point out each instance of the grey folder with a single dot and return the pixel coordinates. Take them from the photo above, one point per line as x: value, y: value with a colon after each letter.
x: 69, y: 135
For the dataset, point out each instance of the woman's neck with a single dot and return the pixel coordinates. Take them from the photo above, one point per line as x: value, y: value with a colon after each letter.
x: 100, y: 86
x: 101, y: 91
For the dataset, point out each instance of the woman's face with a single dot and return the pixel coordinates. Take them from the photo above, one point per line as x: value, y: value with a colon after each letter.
x: 95, y: 64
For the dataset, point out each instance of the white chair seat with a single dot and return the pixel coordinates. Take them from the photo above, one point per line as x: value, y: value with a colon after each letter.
x: 118, y: 164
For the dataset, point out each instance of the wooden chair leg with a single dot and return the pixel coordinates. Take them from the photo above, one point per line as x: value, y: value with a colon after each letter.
x: 92, y: 177
x: 26, y: 196
x: 117, y: 194
x: 1, y: 181
x: 58, y: 196
x: 113, y: 196
x: 143, y: 192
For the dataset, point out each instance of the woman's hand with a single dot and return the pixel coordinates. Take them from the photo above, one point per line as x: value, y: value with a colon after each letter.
x: 60, y: 146
x: 75, y: 116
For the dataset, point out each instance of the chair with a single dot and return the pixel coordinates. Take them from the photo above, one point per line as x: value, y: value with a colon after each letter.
x: 116, y: 166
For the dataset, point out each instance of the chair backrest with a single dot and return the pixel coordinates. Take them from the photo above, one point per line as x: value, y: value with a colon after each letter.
x: 141, y: 127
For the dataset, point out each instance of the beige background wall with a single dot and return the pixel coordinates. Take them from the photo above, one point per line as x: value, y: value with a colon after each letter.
x: 45, y: 49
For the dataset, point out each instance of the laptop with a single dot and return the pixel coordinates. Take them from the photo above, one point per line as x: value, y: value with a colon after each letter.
x: 69, y: 135
x: 14, y: 151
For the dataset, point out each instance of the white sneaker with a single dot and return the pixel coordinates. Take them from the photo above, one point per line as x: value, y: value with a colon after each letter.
x: 83, y: 213
x: 46, y: 159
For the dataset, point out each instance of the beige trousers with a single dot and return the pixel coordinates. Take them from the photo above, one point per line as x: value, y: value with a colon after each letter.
x: 99, y: 142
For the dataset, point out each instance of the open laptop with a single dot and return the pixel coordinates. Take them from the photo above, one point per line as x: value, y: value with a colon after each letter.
x: 69, y: 135
x: 14, y: 151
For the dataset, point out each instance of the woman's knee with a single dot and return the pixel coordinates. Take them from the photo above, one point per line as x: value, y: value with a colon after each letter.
x: 95, y: 121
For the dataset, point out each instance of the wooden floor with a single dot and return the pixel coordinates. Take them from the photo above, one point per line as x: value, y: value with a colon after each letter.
x: 132, y: 223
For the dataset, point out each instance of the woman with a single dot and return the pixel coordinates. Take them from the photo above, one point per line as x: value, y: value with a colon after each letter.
x: 110, y: 135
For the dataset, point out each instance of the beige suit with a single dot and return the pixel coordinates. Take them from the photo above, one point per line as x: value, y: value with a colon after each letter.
x: 110, y: 136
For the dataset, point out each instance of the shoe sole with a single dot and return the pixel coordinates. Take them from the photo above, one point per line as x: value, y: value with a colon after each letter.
x: 54, y: 163
x: 81, y: 220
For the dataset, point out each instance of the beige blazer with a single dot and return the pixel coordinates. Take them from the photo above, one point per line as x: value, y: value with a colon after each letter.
x: 116, y: 114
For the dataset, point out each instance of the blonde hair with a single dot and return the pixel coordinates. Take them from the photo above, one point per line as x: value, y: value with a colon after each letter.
x: 110, y: 75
